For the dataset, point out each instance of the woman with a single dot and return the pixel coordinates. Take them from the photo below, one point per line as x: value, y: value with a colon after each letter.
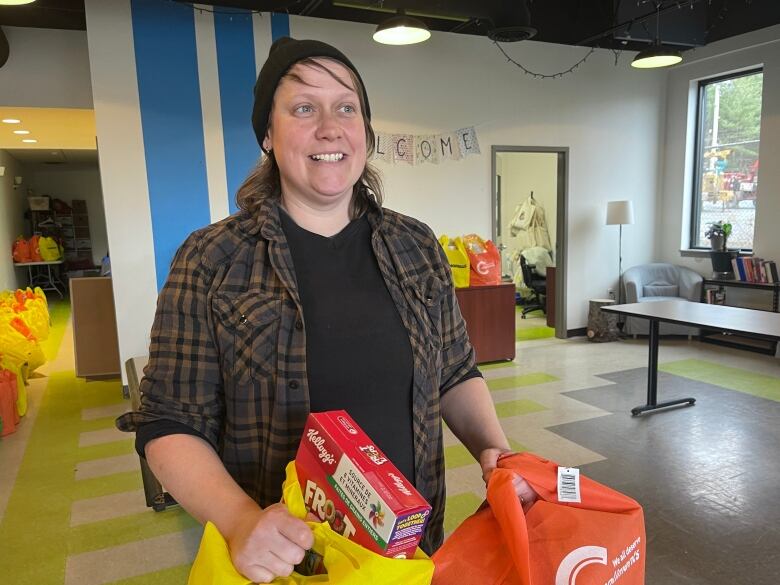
x: 313, y: 297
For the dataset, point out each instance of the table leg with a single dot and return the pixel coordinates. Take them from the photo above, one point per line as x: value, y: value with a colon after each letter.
x: 652, y: 378
x: 51, y: 281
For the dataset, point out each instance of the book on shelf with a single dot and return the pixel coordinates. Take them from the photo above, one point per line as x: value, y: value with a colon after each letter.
x: 773, y: 270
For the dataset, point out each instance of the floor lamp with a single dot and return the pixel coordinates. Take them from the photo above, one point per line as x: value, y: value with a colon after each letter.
x: 620, y: 213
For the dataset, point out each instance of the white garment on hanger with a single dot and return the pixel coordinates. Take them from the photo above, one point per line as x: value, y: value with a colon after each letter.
x: 529, y: 225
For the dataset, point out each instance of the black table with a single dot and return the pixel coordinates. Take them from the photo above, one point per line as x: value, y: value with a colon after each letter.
x: 761, y: 324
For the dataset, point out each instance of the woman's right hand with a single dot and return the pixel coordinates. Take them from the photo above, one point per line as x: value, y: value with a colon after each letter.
x: 268, y: 543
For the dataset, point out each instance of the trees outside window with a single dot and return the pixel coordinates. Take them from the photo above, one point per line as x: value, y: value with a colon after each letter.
x: 727, y: 161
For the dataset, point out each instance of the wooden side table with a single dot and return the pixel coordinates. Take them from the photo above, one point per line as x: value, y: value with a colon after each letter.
x: 489, y: 312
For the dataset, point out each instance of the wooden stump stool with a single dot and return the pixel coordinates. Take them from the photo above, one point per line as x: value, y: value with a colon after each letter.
x: 601, y: 326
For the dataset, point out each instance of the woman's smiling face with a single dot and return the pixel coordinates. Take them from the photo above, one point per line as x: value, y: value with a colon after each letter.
x: 317, y: 134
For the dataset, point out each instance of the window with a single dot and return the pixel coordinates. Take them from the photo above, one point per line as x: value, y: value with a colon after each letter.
x: 726, y: 164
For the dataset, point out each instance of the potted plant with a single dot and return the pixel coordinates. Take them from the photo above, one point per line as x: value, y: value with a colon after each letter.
x: 718, y: 233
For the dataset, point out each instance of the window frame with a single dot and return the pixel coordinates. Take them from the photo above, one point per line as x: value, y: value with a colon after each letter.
x: 695, y: 225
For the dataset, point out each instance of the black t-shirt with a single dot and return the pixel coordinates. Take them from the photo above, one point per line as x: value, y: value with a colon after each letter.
x: 358, y: 354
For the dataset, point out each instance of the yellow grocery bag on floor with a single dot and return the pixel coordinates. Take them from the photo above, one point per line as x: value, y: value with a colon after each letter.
x: 458, y: 258
x: 346, y: 562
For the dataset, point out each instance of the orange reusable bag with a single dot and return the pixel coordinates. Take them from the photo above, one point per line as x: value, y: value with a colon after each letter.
x: 21, y: 250
x: 600, y: 541
x: 485, y: 261
x: 35, y: 251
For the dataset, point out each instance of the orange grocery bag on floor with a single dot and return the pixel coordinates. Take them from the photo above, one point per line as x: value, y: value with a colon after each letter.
x: 597, y: 541
x: 346, y: 562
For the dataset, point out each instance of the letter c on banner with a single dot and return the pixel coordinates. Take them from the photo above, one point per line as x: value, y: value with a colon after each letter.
x: 577, y: 560
x: 401, y: 154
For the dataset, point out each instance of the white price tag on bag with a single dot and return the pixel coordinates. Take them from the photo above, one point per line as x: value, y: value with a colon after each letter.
x: 569, y: 484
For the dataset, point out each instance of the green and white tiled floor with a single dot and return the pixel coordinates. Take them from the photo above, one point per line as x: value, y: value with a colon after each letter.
x: 71, y: 501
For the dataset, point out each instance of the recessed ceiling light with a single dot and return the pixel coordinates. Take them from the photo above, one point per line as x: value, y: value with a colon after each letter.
x: 29, y: 140
x: 15, y: 2
x: 54, y: 152
x: 21, y: 131
x: 11, y: 121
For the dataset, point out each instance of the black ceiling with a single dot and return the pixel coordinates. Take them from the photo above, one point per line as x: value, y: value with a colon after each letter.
x: 616, y: 24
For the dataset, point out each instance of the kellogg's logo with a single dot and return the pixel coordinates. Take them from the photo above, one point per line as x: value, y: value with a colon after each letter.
x: 347, y: 425
x: 319, y: 442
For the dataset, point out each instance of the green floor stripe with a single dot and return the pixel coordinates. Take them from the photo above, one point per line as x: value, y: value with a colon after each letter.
x: 737, y: 379
x: 458, y: 456
x: 497, y: 365
x: 59, y: 313
x: 104, y: 450
x: 116, y: 531
x: 173, y: 576
x: 458, y: 508
x: 518, y: 407
x: 529, y: 333
x: 520, y: 381
x: 35, y: 530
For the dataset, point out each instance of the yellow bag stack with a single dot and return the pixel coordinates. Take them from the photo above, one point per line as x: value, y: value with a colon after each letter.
x: 347, y: 562
x: 458, y: 258
x: 24, y: 323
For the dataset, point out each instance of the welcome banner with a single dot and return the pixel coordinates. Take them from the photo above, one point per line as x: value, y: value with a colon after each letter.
x: 425, y: 148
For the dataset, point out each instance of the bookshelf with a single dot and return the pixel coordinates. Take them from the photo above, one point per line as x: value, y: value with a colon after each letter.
x: 719, y: 295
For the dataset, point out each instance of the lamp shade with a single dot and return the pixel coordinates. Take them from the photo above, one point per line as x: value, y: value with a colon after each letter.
x: 401, y: 30
x: 620, y: 212
x: 656, y: 57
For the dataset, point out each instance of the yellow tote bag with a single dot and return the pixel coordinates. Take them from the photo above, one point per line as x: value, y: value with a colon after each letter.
x: 347, y: 562
x: 50, y: 250
x: 458, y: 259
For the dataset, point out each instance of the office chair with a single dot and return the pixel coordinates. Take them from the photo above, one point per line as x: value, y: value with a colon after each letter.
x: 538, y: 286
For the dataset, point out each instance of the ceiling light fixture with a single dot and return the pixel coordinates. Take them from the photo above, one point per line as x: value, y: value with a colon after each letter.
x: 29, y: 140
x: 21, y: 131
x: 656, y: 56
x: 11, y: 121
x: 401, y: 30
x: 15, y: 2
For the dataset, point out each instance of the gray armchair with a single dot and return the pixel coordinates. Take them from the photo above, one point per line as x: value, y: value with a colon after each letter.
x: 660, y: 282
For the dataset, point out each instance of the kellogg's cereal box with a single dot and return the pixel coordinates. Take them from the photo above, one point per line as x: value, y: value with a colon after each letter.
x: 348, y: 481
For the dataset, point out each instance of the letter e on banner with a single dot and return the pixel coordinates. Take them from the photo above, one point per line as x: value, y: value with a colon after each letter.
x: 467, y: 140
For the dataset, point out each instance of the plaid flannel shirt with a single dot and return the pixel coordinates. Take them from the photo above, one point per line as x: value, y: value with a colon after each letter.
x: 228, y: 349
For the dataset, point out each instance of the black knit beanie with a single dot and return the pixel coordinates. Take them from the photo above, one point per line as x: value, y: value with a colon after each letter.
x: 286, y: 52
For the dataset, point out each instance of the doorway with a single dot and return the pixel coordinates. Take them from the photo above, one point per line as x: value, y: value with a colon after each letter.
x: 533, y: 178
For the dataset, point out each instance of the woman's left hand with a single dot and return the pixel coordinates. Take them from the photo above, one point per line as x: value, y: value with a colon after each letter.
x: 488, y: 460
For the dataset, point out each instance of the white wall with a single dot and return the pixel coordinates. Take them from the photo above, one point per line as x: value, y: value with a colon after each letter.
x: 758, y: 48
x: 68, y: 182
x: 13, y: 202
x: 46, y: 68
x: 609, y: 116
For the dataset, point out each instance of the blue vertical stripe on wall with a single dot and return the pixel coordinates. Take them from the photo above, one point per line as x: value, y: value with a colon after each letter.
x: 236, y: 65
x: 172, y: 124
x: 280, y: 25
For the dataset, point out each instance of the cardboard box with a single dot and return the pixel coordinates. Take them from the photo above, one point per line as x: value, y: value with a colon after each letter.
x: 38, y: 203
x: 349, y: 482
